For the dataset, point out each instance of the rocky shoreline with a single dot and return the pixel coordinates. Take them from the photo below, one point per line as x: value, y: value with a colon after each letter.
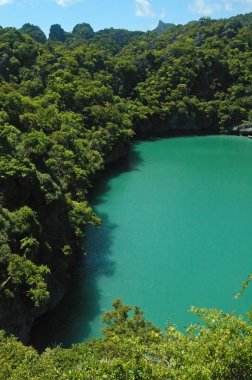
x: 244, y: 129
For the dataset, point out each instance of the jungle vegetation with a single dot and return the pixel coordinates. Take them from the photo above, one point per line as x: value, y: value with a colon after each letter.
x: 69, y: 104
x: 133, y: 349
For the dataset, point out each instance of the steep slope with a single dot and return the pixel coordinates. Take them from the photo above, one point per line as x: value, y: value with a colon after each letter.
x: 69, y: 106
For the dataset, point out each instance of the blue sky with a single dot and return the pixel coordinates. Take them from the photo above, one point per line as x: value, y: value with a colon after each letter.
x: 128, y: 14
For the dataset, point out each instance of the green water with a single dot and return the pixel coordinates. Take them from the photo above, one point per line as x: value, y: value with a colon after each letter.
x: 177, y: 232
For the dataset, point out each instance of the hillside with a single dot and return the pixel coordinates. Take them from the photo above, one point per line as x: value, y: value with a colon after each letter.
x: 73, y: 102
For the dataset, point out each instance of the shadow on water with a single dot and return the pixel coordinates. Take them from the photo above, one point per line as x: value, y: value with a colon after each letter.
x: 101, y: 185
x: 70, y: 321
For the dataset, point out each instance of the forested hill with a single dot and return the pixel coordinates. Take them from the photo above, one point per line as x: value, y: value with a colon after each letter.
x: 73, y: 101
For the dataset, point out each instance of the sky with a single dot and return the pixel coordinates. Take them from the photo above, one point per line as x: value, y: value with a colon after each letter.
x: 127, y: 14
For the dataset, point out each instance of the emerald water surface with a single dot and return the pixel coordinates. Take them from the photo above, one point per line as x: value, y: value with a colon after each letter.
x: 177, y: 232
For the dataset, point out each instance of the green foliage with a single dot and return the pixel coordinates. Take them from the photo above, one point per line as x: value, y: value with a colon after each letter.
x: 35, y: 32
x: 133, y: 348
x: 79, y: 215
x: 69, y: 105
x: 244, y: 286
x: 24, y: 272
x: 22, y: 221
x: 29, y: 246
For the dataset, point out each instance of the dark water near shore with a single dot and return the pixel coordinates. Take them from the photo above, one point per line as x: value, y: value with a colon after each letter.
x: 177, y: 219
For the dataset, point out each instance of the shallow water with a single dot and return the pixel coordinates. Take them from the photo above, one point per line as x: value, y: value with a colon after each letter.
x: 177, y: 217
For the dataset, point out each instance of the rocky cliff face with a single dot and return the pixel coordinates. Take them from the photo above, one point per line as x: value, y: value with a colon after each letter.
x: 17, y: 316
x: 173, y: 127
x: 162, y: 26
x: 244, y: 129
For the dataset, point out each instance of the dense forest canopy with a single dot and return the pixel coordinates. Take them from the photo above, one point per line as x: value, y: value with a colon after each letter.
x: 72, y: 102
x: 133, y: 349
